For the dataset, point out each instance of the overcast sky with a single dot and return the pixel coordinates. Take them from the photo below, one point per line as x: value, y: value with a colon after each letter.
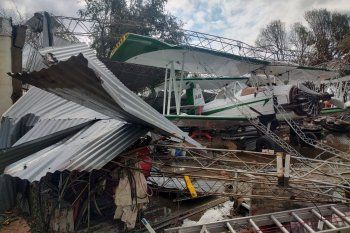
x: 236, y: 19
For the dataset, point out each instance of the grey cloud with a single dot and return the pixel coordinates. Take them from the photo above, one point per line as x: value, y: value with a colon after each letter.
x: 58, y: 7
x: 241, y: 19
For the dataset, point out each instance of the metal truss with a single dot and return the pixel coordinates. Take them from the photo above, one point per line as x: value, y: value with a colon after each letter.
x: 304, y: 166
x: 226, y: 45
x: 83, y: 27
x: 236, y: 47
x: 245, y: 174
x: 311, y: 178
x: 325, y: 218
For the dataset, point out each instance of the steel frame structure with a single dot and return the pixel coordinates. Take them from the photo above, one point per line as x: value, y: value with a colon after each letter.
x: 325, y: 218
x: 311, y: 179
x: 237, y: 173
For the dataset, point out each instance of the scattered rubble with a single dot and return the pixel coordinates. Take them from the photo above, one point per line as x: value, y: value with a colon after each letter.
x: 81, y: 152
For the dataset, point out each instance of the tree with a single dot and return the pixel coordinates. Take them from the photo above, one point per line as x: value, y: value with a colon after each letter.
x: 274, y: 39
x: 320, y: 22
x: 339, y: 32
x: 344, y: 47
x: 113, y: 18
x: 329, y: 30
x: 301, y: 40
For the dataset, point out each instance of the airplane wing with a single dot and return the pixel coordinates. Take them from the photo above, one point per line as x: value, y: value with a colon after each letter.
x: 293, y: 73
x: 148, y: 51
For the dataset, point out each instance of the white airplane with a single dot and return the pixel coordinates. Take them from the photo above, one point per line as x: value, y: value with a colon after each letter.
x: 235, y: 102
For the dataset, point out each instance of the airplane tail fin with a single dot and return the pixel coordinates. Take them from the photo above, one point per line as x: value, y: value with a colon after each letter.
x: 198, y: 98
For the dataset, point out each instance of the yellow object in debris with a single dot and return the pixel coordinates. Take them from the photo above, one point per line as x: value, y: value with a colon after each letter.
x: 190, y: 187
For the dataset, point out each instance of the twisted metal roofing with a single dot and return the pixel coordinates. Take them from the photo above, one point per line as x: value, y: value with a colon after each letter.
x: 89, y: 149
x: 39, y: 113
x: 85, y: 80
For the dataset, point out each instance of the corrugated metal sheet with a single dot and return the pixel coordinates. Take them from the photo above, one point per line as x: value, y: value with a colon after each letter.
x: 89, y: 149
x: 8, y: 187
x: 96, y: 88
x: 47, y: 105
x: 49, y: 126
x: 39, y: 113
x: 15, y: 153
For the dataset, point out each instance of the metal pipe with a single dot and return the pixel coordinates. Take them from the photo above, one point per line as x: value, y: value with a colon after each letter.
x: 165, y: 90
x: 340, y: 214
x: 170, y: 86
x: 251, y: 152
x: 230, y: 228
x: 256, y: 228
x: 280, y: 226
x: 320, y: 217
x: 307, y: 227
x: 5, y: 64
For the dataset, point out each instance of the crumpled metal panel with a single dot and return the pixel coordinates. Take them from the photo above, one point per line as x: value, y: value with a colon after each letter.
x: 79, y: 76
x: 46, y: 112
x: 15, y: 153
x: 8, y: 193
x: 49, y: 126
x: 89, y: 149
x: 47, y: 105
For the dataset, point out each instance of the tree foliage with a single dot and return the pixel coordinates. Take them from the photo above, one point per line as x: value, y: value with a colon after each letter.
x: 300, y: 40
x: 325, y: 37
x: 340, y: 32
x: 274, y: 38
x: 329, y: 30
x: 113, y: 18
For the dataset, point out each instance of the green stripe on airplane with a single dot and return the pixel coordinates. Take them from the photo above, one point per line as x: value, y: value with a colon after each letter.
x: 131, y: 45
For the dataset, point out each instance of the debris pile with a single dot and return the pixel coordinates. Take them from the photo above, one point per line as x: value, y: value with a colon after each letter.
x: 82, y: 152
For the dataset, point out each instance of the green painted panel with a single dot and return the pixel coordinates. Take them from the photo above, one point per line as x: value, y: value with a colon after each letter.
x: 332, y: 110
x: 131, y: 45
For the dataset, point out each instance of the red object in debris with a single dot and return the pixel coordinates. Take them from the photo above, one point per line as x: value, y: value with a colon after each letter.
x: 143, y: 151
x: 327, y: 104
x: 145, y: 160
x: 198, y: 133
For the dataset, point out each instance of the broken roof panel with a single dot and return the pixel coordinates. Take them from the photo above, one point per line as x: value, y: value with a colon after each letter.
x: 44, y: 111
x: 15, y: 153
x: 89, y: 149
x: 47, y: 105
x: 49, y: 126
x: 135, y: 77
x: 85, y: 80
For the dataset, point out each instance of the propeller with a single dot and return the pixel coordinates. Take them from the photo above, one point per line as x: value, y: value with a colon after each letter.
x: 325, y: 96
x: 337, y: 102
x: 305, y: 89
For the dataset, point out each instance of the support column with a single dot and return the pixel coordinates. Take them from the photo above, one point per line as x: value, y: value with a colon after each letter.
x: 165, y: 90
x: 19, y: 36
x: 170, y: 86
x: 280, y: 171
x: 5, y: 64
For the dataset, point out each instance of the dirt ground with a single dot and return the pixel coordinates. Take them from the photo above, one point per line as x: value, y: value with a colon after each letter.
x: 14, y: 224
